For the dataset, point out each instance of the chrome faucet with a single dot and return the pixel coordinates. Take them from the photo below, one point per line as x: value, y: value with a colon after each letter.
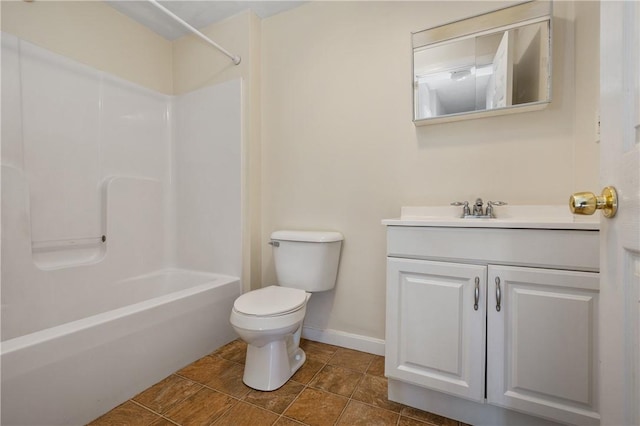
x: 477, y: 207
x: 478, y: 211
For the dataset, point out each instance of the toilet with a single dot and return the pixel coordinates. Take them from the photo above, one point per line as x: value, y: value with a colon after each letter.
x: 270, y: 319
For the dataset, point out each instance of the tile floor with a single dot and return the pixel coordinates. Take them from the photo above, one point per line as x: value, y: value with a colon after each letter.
x: 335, y: 386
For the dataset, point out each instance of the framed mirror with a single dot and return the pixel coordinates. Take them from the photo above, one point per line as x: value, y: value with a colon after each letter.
x: 491, y: 64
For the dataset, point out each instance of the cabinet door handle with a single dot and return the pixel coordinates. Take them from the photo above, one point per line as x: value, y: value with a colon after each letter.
x: 498, y: 294
x: 476, y: 294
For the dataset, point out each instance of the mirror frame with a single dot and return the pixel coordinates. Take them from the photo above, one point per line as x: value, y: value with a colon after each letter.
x: 536, y: 11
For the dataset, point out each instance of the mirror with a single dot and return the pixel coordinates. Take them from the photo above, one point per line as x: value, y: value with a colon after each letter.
x: 496, y: 63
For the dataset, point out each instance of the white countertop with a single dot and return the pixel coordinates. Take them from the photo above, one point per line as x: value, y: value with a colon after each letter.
x: 517, y: 217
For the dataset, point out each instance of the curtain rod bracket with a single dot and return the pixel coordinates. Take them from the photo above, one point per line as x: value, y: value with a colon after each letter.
x: 235, y: 58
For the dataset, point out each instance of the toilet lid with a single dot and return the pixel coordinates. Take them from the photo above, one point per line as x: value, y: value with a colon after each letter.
x: 272, y: 300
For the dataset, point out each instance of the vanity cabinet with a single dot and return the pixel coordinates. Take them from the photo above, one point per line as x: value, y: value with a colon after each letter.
x: 499, y: 320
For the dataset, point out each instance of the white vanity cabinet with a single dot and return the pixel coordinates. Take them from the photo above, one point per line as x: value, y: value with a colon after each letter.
x: 451, y: 350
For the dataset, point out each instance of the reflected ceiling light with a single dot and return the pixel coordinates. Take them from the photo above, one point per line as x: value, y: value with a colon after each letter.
x: 460, y: 74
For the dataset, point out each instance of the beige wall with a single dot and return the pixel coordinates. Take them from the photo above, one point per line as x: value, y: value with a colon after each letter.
x: 586, y: 150
x: 340, y: 151
x: 94, y: 34
x: 196, y: 64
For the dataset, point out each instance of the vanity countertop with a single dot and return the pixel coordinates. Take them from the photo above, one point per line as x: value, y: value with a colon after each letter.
x: 515, y: 217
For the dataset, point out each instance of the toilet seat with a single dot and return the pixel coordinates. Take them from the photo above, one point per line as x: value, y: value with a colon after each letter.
x: 271, y: 301
x: 270, y: 308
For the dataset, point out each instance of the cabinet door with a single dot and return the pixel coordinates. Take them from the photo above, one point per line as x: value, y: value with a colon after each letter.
x: 542, y: 342
x: 435, y: 336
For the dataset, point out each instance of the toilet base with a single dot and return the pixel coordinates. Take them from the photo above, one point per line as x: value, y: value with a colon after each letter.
x: 270, y: 366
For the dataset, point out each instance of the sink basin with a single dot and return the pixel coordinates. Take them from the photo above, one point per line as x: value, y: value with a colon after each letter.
x: 518, y: 216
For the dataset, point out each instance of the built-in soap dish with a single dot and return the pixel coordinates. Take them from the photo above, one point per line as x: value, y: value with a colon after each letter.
x: 66, y: 253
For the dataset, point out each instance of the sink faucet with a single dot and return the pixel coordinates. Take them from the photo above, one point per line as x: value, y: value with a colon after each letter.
x: 477, y: 207
x: 478, y: 211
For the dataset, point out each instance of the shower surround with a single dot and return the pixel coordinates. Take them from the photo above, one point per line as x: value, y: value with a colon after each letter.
x: 121, y: 233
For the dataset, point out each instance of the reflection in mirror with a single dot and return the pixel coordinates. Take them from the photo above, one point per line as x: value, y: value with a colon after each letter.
x: 491, y: 71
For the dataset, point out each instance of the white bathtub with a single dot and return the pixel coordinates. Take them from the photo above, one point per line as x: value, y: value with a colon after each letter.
x: 151, y: 326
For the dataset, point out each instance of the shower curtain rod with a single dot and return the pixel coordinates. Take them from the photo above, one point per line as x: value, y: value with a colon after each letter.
x: 235, y: 58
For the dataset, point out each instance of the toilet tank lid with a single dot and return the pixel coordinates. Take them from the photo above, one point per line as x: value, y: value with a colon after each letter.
x: 307, y: 236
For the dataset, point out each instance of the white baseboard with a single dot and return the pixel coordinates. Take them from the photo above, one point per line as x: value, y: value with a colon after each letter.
x: 345, y: 340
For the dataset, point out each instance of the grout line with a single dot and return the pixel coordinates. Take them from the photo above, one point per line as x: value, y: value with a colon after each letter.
x: 177, y: 402
x: 155, y: 412
x: 145, y: 407
x: 225, y: 411
x: 169, y: 420
x: 306, y: 386
x: 204, y: 385
x: 342, y: 412
x: 294, y: 400
x: 266, y: 409
x: 355, y: 388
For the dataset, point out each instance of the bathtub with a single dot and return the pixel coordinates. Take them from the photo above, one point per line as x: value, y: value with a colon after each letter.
x: 151, y: 326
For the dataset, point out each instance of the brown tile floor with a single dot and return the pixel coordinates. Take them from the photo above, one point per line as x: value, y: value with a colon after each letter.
x: 335, y: 386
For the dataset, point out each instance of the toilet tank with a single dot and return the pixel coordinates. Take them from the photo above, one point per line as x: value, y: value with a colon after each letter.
x: 307, y: 260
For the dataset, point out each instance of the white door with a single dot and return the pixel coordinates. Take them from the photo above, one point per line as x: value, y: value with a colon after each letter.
x: 436, y: 325
x: 502, y: 82
x: 620, y: 235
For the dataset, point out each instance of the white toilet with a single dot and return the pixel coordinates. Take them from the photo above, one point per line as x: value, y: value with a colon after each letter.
x: 270, y: 319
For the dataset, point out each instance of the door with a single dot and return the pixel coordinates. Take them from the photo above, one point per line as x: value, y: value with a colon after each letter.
x: 620, y: 235
x: 542, y: 327
x: 436, y: 325
x: 500, y: 87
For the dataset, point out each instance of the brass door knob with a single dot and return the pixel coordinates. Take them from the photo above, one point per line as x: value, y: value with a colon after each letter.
x: 588, y: 202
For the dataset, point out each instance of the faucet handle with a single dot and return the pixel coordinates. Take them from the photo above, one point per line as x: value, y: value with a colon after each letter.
x: 490, y: 205
x: 465, y: 207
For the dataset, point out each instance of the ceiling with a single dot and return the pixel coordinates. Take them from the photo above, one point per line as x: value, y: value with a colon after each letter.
x: 198, y: 13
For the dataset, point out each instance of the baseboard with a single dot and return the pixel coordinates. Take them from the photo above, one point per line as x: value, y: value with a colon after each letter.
x: 345, y: 340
